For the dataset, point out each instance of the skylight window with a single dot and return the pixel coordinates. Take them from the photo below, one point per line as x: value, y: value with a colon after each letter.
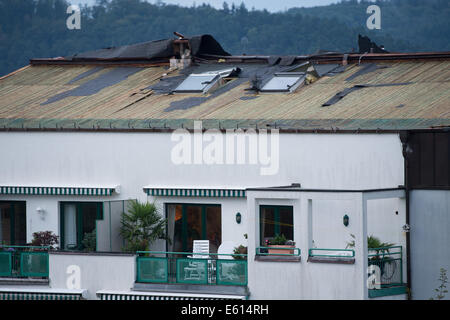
x: 284, y: 82
x: 204, y: 82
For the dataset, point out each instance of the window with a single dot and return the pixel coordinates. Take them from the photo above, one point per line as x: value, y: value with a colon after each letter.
x: 189, y: 222
x: 205, y: 82
x: 284, y: 82
x: 276, y: 220
x: 76, y: 220
x: 13, y: 223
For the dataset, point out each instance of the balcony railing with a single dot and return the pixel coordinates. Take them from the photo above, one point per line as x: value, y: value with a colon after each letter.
x: 386, y: 271
x: 24, y: 261
x: 191, y: 268
x: 389, y: 261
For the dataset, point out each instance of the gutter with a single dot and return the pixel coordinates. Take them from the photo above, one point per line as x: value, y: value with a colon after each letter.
x: 405, y: 151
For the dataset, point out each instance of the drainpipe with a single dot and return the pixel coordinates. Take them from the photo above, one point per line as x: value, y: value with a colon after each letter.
x: 406, y: 151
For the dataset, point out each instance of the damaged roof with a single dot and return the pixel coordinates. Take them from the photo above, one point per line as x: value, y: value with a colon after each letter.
x: 381, y: 92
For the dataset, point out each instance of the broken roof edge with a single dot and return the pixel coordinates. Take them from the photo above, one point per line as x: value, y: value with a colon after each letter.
x: 158, y: 50
x: 265, y: 59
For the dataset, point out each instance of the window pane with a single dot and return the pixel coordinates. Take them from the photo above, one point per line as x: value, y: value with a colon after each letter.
x: 89, y: 217
x: 267, y: 222
x: 287, y: 222
x: 175, y: 220
x: 276, y: 220
x: 20, y: 224
x: 194, y: 225
x: 282, y: 83
x: 195, y: 83
x: 70, y: 226
x: 213, y: 228
x: 13, y: 223
x: 5, y: 223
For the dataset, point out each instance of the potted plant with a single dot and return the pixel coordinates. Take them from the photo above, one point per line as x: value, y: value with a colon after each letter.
x: 280, y: 245
x: 239, y: 251
x: 141, y: 226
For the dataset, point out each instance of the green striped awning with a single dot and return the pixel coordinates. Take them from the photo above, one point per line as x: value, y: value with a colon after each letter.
x: 136, y: 295
x: 63, y: 191
x: 209, y: 193
x: 38, y: 296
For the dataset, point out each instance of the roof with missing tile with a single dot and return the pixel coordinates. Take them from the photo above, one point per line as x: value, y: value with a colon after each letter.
x: 386, y: 95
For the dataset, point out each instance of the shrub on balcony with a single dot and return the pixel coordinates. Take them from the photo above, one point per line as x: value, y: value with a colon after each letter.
x: 141, y: 226
x: 90, y: 241
x: 44, y: 239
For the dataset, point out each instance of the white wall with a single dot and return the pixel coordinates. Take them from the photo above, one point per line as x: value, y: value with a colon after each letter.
x: 135, y: 160
x: 305, y: 280
x: 430, y: 240
x: 97, y: 272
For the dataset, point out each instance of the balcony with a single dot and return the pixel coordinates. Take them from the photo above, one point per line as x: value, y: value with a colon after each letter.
x: 386, y: 271
x: 24, y: 262
x: 24, y: 265
x: 191, y: 269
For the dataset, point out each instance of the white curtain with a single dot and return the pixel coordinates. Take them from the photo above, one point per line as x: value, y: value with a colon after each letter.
x: 70, y: 225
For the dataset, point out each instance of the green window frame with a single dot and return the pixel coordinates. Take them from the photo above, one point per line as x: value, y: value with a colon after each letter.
x: 277, y: 220
x: 79, y: 221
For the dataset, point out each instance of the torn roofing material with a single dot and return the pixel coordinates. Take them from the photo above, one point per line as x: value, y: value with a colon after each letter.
x: 153, y: 50
x: 93, y: 86
x: 366, y: 68
x: 341, y: 94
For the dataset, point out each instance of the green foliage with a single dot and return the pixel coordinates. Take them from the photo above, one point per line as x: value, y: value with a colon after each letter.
x: 90, y: 241
x: 442, y: 289
x: 240, y: 250
x: 37, y: 28
x: 278, y: 240
x: 44, y: 238
x: 372, y: 243
x: 141, y: 226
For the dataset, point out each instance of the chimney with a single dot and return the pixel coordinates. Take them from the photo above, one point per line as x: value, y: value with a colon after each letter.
x: 182, y: 49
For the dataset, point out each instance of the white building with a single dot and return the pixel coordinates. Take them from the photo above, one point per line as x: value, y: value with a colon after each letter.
x: 311, y: 147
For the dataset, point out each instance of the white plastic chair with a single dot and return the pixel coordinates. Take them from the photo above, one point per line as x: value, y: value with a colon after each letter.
x: 200, y: 251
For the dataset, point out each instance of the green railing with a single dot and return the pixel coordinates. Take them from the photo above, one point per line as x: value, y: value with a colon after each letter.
x: 24, y: 261
x: 278, y: 251
x: 331, y: 253
x: 191, y: 268
x: 389, y: 260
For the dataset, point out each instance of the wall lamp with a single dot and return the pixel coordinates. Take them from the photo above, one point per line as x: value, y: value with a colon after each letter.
x: 40, y: 211
x: 346, y: 220
x: 238, y: 218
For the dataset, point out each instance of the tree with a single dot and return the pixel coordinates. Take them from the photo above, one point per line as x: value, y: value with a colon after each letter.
x: 141, y: 226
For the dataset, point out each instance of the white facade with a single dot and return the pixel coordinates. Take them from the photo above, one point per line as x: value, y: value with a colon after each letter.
x: 350, y: 162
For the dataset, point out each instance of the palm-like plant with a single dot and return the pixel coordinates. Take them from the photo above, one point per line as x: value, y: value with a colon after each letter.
x: 141, y: 226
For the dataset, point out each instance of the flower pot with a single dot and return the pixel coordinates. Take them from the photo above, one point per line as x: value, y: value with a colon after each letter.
x: 277, y: 249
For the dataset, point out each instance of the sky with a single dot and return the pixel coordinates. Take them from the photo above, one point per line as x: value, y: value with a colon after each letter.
x: 271, y: 5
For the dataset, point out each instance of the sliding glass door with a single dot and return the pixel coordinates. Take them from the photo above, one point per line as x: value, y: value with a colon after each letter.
x: 13, y: 223
x: 189, y: 222
x: 76, y: 220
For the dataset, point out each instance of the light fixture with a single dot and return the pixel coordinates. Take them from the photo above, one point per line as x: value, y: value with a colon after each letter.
x: 41, y: 212
x: 346, y: 220
x: 238, y: 217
